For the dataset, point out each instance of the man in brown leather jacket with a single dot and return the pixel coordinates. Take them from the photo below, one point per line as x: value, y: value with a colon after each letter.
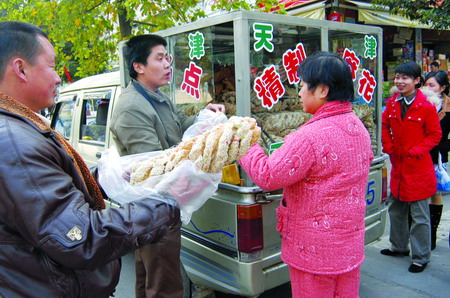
x: 57, y: 239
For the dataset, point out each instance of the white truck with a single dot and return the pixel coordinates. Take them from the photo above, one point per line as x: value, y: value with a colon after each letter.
x: 231, y: 244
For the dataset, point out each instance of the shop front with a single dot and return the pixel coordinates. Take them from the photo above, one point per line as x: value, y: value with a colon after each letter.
x: 403, y: 39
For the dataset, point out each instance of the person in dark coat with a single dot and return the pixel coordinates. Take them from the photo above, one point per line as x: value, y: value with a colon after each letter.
x: 57, y: 239
x: 145, y: 120
x: 438, y: 83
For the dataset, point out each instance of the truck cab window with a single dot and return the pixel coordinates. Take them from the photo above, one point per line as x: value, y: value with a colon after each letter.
x: 62, y: 120
x: 93, y: 116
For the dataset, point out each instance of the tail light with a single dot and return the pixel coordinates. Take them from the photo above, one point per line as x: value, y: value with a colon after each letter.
x: 384, y: 187
x: 250, y: 228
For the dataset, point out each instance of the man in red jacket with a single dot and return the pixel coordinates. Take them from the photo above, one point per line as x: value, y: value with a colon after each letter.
x: 410, y: 129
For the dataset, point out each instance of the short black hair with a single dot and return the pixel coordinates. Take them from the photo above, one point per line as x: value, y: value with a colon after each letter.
x: 441, y: 78
x: 19, y: 39
x: 328, y: 69
x: 435, y: 64
x: 411, y: 69
x: 138, y: 48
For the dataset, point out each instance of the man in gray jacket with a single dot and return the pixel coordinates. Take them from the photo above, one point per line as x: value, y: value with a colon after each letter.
x: 145, y: 120
x: 57, y: 239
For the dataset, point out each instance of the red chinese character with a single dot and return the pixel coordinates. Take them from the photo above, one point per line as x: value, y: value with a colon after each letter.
x: 191, y: 80
x: 268, y: 87
x: 367, y: 85
x: 352, y: 60
x: 291, y: 61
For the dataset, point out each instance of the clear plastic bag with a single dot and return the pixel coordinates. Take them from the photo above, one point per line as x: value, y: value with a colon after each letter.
x: 188, y: 185
x: 204, y: 121
x: 442, y: 176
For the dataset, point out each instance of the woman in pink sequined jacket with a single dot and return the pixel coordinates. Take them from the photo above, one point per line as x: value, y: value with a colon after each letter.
x: 323, y: 168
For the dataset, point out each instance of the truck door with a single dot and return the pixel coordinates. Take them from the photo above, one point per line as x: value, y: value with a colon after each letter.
x: 92, y: 135
x: 62, y: 120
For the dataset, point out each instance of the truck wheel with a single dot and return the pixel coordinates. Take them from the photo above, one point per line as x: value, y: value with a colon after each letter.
x: 193, y: 291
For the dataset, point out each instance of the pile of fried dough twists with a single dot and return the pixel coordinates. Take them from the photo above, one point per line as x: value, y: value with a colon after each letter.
x: 210, y: 151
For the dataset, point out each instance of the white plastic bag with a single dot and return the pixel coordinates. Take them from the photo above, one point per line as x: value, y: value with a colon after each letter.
x: 204, y: 121
x: 442, y: 176
x: 190, y: 186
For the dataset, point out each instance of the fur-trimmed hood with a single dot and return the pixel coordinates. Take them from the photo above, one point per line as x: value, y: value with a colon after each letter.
x: 432, y: 97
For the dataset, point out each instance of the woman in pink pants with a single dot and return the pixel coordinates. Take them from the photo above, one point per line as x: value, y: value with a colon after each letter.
x: 323, y: 168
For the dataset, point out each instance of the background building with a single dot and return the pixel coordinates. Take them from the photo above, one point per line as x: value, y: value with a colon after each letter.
x: 403, y: 39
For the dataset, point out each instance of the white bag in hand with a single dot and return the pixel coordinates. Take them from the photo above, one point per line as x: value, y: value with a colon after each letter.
x: 442, y: 177
x: 204, y: 121
x: 187, y: 184
x: 190, y: 186
x: 113, y: 175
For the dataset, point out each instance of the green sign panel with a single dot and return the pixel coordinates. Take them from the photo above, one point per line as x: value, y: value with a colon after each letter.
x: 274, y: 146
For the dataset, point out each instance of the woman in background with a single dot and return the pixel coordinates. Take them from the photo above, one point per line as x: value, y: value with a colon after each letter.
x: 438, y: 82
x: 323, y: 168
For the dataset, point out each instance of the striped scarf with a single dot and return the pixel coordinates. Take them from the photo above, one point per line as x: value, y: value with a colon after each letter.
x: 9, y: 104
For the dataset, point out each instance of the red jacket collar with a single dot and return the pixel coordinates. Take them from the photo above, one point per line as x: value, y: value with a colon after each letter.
x: 419, y: 95
x: 419, y: 100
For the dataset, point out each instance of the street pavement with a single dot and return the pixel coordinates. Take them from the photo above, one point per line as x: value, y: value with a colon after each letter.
x: 381, y: 276
x: 385, y: 276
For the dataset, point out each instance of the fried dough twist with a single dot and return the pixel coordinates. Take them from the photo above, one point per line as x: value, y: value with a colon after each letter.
x: 210, y: 151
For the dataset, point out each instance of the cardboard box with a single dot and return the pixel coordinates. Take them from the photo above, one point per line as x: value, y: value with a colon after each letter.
x: 443, y: 64
x: 397, y: 52
x: 405, y: 33
x: 399, y: 40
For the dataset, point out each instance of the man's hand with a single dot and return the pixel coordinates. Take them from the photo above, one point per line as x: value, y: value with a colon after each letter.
x: 216, y: 107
